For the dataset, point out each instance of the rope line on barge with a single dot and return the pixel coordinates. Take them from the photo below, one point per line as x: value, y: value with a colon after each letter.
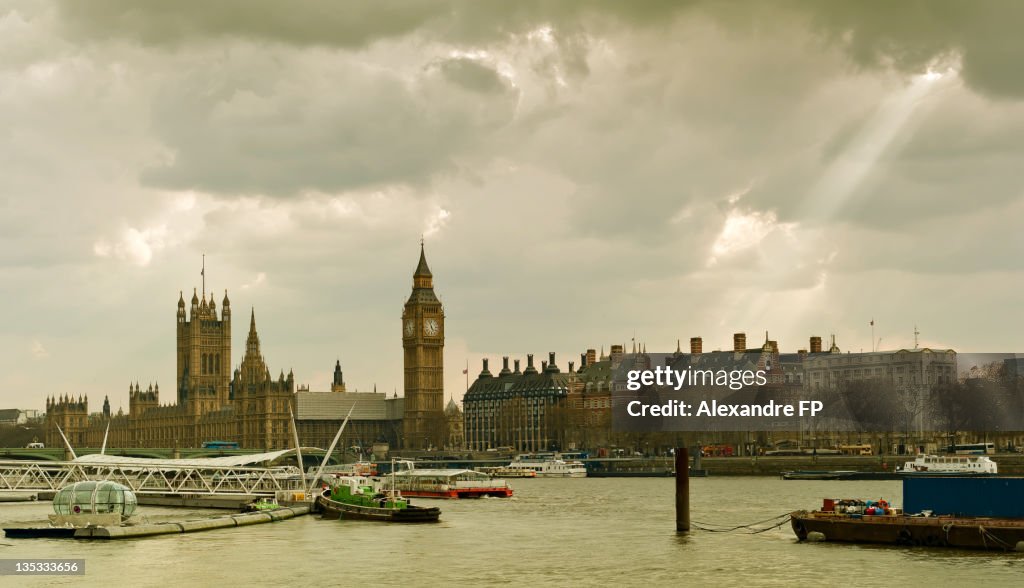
x: 986, y: 535
x: 748, y: 529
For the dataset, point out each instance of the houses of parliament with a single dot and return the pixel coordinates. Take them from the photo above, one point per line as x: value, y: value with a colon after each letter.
x: 252, y: 407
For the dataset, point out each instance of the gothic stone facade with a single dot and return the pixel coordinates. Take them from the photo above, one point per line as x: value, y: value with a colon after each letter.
x: 423, y: 360
x: 250, y: 408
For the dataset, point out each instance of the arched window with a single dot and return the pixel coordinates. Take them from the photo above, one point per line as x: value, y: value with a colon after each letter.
x: 204, y: 364
x: 217, y: 369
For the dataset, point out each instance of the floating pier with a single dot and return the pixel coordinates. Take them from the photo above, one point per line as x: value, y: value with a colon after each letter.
x: 168, y: 528
x: 18, y: 497
x: 221, y: 501
x: 228, y: 502
x: 193, y: 526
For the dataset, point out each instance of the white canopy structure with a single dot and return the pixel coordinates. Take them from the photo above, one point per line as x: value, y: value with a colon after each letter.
x: 225, y: 461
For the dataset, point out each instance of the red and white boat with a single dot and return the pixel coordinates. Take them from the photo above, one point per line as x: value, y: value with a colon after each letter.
x: 444, y: 483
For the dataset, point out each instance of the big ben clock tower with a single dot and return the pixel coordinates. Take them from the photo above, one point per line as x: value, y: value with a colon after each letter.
x: 423, y: 346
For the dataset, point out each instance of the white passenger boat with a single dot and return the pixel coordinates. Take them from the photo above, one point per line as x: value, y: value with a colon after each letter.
x: 554, y: 467
x: 507, y: 472
x: 950, y: 464
x: 444, y: 483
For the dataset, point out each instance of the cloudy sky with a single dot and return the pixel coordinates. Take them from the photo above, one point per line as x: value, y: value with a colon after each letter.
x: 583, y: 174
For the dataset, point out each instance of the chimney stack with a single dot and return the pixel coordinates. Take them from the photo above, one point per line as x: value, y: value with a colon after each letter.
x: 485, y: 373
x: 517, y: 367
x: 591, y: 356
x: 696, y: 345
x: 583, y: 360
x: 739, y: 342
x: 504, y: 366
x: 815, y: 344
x: 550, y: 366
x: 529, y: 365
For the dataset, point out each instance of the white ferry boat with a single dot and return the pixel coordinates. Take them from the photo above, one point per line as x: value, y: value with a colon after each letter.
x: 507, y: 472
x: 444, y: 483
x: 549, y: 467
x: 951, y: 464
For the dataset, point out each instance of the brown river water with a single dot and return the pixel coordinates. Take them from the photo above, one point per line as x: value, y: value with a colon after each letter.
x: 563, y: 532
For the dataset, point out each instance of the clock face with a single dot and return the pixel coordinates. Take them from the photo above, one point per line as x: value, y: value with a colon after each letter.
x: 410, y: 328
x: 430, y: 327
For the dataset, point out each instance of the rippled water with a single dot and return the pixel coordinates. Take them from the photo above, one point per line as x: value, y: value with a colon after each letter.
x: 561, y: 532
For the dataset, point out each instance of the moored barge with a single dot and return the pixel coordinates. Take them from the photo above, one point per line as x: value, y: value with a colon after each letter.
x: 900, y: 529
x: 978, y: 512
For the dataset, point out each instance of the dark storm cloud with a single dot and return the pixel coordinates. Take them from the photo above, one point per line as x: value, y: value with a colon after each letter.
x: 278, y: 125
x: 299, y: 22
x: 343, y: 24
x: 473, y: 75
x: 912, y: 35
x: 420, y: 133
x: 875, y: 33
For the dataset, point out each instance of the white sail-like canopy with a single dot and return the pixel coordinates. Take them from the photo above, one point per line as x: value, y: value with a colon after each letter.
x: 196, y: 462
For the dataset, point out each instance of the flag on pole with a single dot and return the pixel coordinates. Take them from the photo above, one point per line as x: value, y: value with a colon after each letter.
x: 872, y: 322
x: 465, y: 371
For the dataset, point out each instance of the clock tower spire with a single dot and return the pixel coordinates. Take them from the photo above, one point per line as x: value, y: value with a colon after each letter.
x: 423, y: 360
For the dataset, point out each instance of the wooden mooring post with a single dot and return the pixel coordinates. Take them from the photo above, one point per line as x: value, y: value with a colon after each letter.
x: 682, y: 490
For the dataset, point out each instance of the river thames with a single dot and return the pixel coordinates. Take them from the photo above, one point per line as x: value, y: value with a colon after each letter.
x: 552, y: 532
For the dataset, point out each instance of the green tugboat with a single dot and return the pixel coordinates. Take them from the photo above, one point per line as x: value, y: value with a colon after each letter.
x: 361, y: 498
